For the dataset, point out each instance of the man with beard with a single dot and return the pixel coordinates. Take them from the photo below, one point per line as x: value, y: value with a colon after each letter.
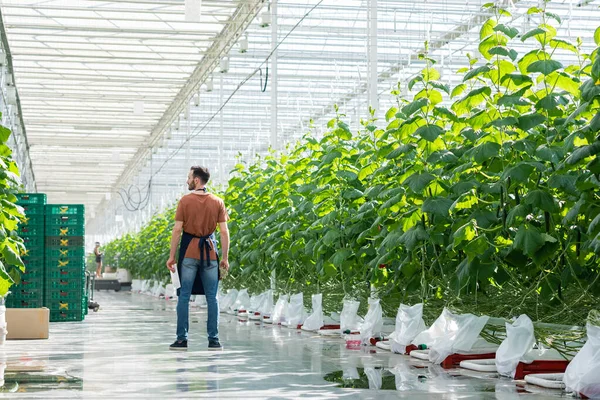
x: 197, y: 216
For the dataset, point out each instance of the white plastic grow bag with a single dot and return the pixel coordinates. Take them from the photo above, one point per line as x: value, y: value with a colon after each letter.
x: 295, y: 313
x: 583, y: 373
x: 228, y: 300
x: 136, y: 285
x: 315, y: 320
x: 242, y: 302
x: 349, y: 319
x: 454, y: 333
x: 519, y: 341
x: 266, y: 309
x: 170, y: 292
x: 373, y: 322
x: 3, y: 330
x: 280, y: 309
x: 409, y: 323
x: 158, y: 290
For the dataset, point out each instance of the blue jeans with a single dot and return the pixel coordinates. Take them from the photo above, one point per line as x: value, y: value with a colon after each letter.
x: 210, y: 281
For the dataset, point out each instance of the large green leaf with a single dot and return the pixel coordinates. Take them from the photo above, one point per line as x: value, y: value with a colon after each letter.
x: 583, y: 152
x: 439, y: 206
x: 476, y: 72
x: 541, y: 199
x: 352, y: 194
x: 485, y: 152
x: 532, y: 33
x: 529, y: 121
x: 519, y: 172
x: 340, y: 257
x: 528, y: 239
x: 545, y: 67
x: 597, y: 36
x: 429, y: 132
x: 403, y: 149
x: 418, y: 181
x: 507, y: 30
x: 413, y: 237
x: 415, y: 106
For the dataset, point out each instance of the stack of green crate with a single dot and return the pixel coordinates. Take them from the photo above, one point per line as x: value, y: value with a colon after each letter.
x: 29, y: 293
x: 65, y: 262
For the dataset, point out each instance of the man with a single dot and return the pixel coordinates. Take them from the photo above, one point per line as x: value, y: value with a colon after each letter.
x: 197, y: 216
x: 98, y: 255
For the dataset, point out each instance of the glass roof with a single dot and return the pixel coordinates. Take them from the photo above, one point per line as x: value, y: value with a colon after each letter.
x: 114, y: 92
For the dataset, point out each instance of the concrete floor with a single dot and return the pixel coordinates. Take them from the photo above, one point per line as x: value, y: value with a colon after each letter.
x: 122, y: 352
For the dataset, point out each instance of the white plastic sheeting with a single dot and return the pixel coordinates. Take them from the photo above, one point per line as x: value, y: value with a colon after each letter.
x: 583, y: 373
x: 315, y: 320
x: 452, y: 333
x: 266, y: 308
x: 170, y: 292
x: 349, y: 319
x: 228, y: 300
x: 373, y: 322
x: 200, y: 301
x: 295, y: 313
x: 519, y: 341
x: 136, y: 285
x: 279, y: 312
x: 242, y: 302
x: 409, y: 323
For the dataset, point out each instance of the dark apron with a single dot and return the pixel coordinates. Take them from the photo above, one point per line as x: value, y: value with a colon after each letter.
x: 204, y: 245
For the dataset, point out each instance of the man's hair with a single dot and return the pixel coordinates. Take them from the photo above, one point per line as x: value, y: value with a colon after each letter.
x: 97, y: 243
x: 201, y: 173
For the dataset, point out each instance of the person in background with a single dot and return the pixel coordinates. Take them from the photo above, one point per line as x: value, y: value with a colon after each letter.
x: 98, y: 255
x: 197, y: 216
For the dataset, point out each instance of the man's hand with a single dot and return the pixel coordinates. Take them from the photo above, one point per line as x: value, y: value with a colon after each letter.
x: 171, y: 264
x: 224, y: 264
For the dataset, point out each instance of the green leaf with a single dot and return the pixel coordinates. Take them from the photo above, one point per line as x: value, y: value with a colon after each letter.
x: 529, y: 121
x: 532, y: 33
x: 597, y: 36
x: 347, y: 175
x: 521, y: 210
x: 548, y: 103
x: 485, y: 152
x: 331, y: 237
x: 413, y: 81
x: 331, y: 123
x: 405, y: 148
x: 429, y: 132
x: 367, y: 171
x: 500, y: 51
x: 476, y: 247
x: 519, y: 173
x: 415, y: 106
x: 11, y: 257
x: 390, y: 113
x: 583, y: 152
x: 442, y: 156
x: 4, y: 134
x: 487, y: 28
x: 340, y: 257
x: 556, y: 17
x: 507, y: 30
x: 516, y: 79
x: 413, y: 237
x: 330, y: 157
x: 464, y: 233
x: 417, y: 182
x: 476, y: 72
x: 503, y: 122
x: 528, y: 240
x: 440, y: 86
x: 529, y: 58
x: 541, y: 199
x: 439, y: 206
x: 563, y: 44
x: 471, y: 100
x: 544, y: 67
x: 465, y: 201
x: 352, y: 194
x: 458, y: 90
x: 596, y: 68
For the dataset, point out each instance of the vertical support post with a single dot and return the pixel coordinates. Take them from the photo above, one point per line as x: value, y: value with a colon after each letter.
x: 221, y: 174
x: 373, y: 99
x: 273, y: 77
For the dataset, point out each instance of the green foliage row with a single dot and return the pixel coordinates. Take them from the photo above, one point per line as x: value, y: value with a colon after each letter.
x: 482, y: 196
x: 11, y: 246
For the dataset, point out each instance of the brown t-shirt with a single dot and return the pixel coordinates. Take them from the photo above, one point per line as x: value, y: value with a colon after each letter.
x: 200, y: 214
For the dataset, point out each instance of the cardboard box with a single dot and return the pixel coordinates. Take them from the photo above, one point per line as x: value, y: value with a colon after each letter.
x: 27, y: 323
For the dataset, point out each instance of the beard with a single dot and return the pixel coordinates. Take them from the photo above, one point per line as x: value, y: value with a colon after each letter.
x: 191, y: 186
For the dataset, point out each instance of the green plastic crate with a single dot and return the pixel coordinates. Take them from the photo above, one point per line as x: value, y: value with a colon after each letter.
x: 17, y: 303
x: 31, y: 242
x: 31, y: 198
x: 66, y: 316
x: 65, y: 220
x: 28, y: 282
x: 22, y: 293
x: 71, y: 284
x: 57, y: 230
x: 32, y: 274
x: 65, y: 295
x: 65, y: 305
x: 31, y: 230
x: 64, y: 252
x: 64, y: 274
x: 33, y: 209
x: 62, y: 241
x: 65, y: 209
x: 74, y: 263
x: 33, y: 219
